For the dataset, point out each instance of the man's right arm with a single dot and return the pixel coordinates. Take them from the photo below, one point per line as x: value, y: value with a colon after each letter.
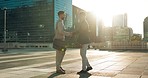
x: 61, y: 30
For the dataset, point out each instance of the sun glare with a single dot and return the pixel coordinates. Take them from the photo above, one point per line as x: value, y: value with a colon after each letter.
x: 136, y: 10
x: 106, y: 18
x: 106, y: 9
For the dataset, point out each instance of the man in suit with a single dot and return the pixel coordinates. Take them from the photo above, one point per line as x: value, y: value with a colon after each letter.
x: 84, y: 40
x: 60, y: 38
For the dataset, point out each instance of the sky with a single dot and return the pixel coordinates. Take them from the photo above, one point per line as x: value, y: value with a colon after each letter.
x: 136, y: 10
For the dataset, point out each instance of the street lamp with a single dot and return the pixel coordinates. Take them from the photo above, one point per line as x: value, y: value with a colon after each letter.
x: 28, y: 34
x: 41, y: 26
x: 15, y: 36
x: 5, y: 19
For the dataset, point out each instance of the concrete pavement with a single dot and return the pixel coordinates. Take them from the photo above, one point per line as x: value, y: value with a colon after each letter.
x: 106, y: 65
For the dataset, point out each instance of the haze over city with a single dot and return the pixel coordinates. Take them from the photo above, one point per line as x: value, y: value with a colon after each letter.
x: 73, y: 39
x: 135, y: 9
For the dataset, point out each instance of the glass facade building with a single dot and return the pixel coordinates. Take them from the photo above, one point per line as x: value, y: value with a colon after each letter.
x: 145, y: 28
x: 119, y: 20
x: 33, y: 21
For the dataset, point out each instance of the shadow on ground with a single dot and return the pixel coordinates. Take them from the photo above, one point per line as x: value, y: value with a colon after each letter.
x: 54, y: 75
x: 144, y: 50
x: 85, y: 75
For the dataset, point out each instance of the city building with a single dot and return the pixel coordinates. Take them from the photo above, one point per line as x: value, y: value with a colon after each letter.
x: 33, y: 21
x: 108, y: 34
x: 122, y: 33
x: 136, y: 37
x: 119, y: 20
x: 102, y: 31
x: 76, y: 18
x: 145, y: 28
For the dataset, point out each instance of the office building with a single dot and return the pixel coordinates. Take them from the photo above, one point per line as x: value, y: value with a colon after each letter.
x: 119, y: 20
x: 33, y: 21
x: 145, y: 28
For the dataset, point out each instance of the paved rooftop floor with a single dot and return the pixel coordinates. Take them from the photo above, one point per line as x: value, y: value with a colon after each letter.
x: 41, y: 64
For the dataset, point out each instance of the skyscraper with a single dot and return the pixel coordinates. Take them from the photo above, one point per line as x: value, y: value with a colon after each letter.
x: 120, y: 20
x: 145, y: 28
x: 33, y: 21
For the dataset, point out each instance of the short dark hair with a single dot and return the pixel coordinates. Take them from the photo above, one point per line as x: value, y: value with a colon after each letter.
x: 60, y: 12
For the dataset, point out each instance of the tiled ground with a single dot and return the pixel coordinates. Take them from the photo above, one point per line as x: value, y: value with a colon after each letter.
x: 105, y: 65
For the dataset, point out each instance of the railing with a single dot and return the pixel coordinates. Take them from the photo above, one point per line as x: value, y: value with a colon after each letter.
x: 122, y: 45
x: 26, y: 45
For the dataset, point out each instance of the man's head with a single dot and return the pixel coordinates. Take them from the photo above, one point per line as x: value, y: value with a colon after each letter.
x: 61, y: 15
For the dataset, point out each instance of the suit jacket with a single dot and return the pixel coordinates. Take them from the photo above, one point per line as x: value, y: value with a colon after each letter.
x: 83, y: 32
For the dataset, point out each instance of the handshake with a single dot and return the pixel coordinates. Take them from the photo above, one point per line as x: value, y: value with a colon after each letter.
x: 70, y: 34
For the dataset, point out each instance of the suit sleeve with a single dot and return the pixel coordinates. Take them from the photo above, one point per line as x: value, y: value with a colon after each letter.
x: 61, y: 30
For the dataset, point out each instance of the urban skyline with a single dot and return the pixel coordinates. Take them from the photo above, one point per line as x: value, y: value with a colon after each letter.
x: 136, y: 14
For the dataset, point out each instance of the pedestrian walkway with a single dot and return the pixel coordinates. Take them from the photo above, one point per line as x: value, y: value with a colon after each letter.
x: 105, y: 64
